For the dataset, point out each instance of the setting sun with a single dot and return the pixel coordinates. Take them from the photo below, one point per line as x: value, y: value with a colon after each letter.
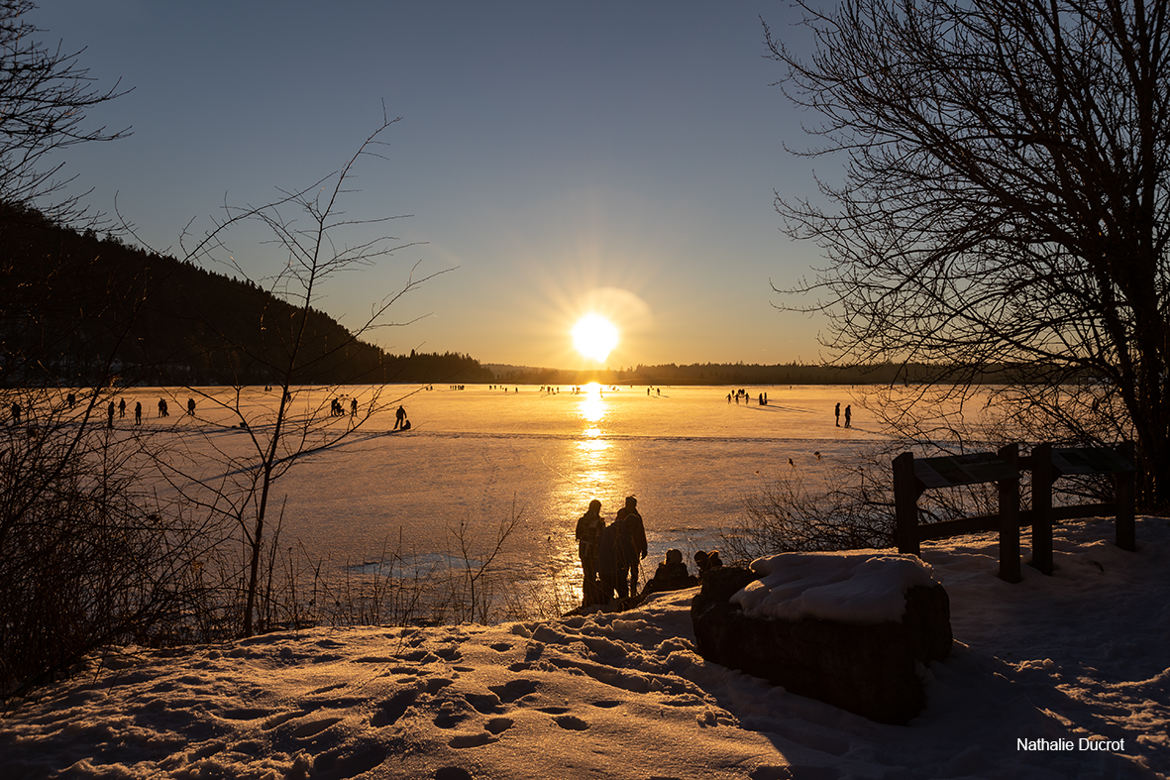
x: 595, y: 337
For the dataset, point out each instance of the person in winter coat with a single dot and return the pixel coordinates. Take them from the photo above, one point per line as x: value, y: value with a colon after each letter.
x: 589, y: 528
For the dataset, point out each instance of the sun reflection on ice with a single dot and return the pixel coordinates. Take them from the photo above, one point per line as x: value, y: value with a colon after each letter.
x: 593, y: 406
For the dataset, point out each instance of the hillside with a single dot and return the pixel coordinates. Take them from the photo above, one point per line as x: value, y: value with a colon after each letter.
x: 76, y: 308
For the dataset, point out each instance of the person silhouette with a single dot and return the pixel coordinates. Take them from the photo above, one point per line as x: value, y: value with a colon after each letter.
x: 399, y: 418
x: 589, y: 528
x: 848, y: 416
x: 837, y: 413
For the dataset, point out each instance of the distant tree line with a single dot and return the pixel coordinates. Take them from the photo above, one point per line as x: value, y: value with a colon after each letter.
x: 757, y: 374
x: 73, y: 304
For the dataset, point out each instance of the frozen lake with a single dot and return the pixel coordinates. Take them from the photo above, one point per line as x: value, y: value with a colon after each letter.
x: 479, y: 454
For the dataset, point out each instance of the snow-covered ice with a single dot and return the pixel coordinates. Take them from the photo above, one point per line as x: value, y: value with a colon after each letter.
x: 1081, y: 654
x: 859, y: 586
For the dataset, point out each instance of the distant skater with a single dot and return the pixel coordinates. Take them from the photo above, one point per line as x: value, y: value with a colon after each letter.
x: 110, y: 415
x: 353, y: 407
x: 71, y: 400
x: 15, y: 408
x: 138, y: 413
x: 837, y: 413
x: 162, y: 408
x: 399, y: 418
x: 848, y: 416
x: 190, y: 407
x: 589, y: 528
x: 122, y: 407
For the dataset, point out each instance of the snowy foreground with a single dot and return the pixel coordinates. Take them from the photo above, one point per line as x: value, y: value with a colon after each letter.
x: 1036, y: 667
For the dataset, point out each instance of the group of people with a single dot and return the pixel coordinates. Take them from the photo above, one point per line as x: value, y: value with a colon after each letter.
x: 610, y: 554
x: 747, y: 399
x: 337, y: 410
x: 848, y: 415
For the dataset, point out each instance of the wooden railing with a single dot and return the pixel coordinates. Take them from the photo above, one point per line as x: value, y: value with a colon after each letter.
x: 912, y: 476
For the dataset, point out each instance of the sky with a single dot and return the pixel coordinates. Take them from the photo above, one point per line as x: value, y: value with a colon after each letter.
x: 555, y: 158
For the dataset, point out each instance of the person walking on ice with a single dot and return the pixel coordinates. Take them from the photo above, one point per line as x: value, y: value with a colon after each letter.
x: 848, y: 416
x: 399, y: 418
x: 837, y: 413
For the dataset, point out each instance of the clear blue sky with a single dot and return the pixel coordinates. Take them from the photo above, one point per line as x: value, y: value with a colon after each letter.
x: 563, y: 156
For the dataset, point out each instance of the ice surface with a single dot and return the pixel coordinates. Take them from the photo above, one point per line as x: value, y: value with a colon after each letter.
x: 860, y: 586
x: 477, y: 455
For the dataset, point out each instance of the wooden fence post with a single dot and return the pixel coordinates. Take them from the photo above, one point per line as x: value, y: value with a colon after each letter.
x: 906, y: 504
x: 1043, y: 475
x: 1009, y: 518
x: 1124, y: 484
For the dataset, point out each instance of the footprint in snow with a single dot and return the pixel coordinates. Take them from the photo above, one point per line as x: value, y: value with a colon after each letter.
x: 472, y: 740
x: 498, y: 725
x: 452, y: 773
x: 513, y: 689
x: 571, y: 723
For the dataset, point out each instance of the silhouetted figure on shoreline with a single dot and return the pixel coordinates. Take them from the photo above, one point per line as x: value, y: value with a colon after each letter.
x: 671, y: 574
x: 399, y: 418
x: 589, y: 528
x: 837, y: 413
x: 706, y: 561
x: 848, y: 416
x: 633, y: 534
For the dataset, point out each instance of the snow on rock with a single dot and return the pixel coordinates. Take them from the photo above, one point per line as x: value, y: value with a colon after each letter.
x: 1079, y: 655
x: 858, y: 586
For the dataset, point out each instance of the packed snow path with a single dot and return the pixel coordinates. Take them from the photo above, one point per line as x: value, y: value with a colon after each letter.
x: 1077, y: 655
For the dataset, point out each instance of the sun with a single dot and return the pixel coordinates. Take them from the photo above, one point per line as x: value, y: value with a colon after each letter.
x: 595, y: 337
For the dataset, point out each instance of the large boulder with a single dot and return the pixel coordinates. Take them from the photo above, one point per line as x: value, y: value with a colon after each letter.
x: 823, y: 641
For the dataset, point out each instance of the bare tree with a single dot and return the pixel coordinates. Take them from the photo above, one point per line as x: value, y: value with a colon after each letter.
x: 237, y: 483
x: 1005, y: 203
x: 45, y: 94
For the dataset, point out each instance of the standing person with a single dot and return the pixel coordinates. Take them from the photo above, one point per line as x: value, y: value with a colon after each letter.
x: 162, y: 407
x: 138, y: 413
x: 15, y: 413
x: 190, y: 407
x: 837, y: 413
x: 633, y: 536
x: 399, y: 418
x: 353, y: 407
x: 848, y: 416
x: 110, y: 415
x: 122, y: 408
x: 611, y: 561
x: 589, y: 528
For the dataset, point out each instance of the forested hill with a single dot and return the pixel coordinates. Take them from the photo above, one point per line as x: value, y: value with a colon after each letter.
x: 75, y: 308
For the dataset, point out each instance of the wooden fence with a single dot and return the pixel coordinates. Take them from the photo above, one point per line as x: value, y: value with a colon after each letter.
x: 913, y: 475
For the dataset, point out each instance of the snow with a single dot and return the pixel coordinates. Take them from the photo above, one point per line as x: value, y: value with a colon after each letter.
x: 1078, y: 655
x: 860, y: 586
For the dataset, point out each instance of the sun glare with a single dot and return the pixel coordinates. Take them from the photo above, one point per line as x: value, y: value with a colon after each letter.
x: 595, y: 337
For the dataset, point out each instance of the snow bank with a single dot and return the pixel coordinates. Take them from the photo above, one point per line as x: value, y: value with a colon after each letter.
x: 859, y: 586
x: 1076, y: 659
